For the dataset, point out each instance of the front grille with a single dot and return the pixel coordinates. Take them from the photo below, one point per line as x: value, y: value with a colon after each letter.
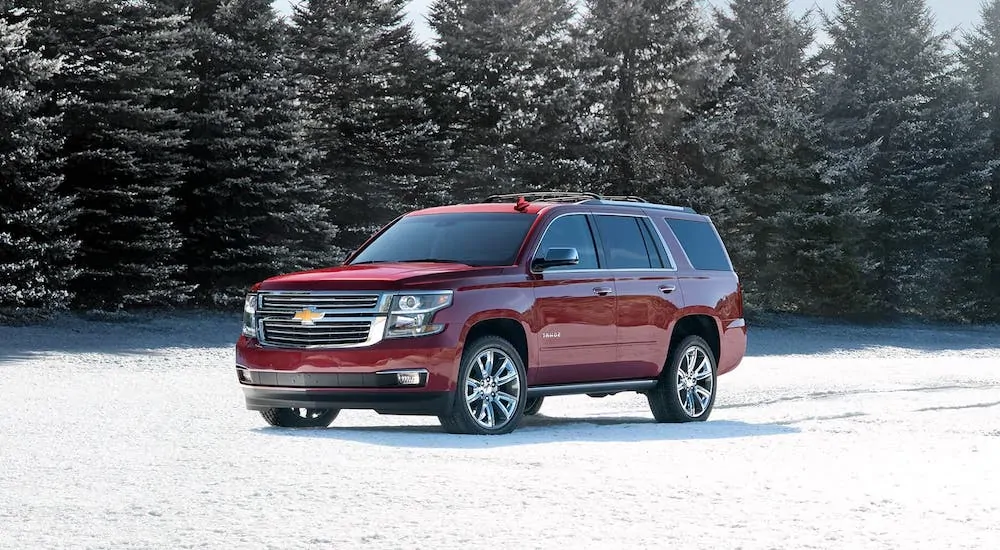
x: 346, y: 320
x: 320, y: 301
x: 323, y: 333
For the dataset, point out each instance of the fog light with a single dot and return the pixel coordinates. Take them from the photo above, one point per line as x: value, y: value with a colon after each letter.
x: 408, y: 378
x: 244, y: 376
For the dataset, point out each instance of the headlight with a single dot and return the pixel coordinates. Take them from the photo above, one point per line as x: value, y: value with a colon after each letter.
x: 250, y: 316
x: 411, y: 314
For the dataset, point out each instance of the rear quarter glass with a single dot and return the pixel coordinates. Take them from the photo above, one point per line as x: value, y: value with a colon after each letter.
x: 701, y: 244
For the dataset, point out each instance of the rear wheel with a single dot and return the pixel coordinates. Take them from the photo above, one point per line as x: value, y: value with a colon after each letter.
x: 532, y: 406
x: 490, y: 396
x: 686, y: 389
x: 300, y: 418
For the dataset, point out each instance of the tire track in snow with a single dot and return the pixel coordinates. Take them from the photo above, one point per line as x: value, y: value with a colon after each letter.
x: 843, y: 393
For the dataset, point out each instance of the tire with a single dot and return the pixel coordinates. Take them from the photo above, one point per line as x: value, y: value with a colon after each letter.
x: 686, y: 389
x: 532, y: 406
x: 300, y: 418
x: 490, y: 397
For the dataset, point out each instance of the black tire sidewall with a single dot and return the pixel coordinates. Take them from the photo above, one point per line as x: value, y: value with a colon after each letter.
x: 287, y: 418
x: 533, y: 405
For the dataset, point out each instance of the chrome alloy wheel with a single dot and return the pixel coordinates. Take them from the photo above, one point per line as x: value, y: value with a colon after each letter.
x: 492, y: 389
x: 694, y: 381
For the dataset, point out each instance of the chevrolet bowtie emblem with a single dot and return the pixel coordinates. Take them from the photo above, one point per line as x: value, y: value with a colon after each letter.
x: 308, y: 316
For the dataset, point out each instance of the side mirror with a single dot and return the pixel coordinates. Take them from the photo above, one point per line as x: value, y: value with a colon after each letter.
x: 556, y: 257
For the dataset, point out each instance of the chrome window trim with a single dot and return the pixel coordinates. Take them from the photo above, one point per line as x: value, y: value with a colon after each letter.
x: 670, y: 256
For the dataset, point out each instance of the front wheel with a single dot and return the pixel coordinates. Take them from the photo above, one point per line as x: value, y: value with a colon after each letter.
x: 490, y: 396
x: 686, y: 389
x: 300, y: 418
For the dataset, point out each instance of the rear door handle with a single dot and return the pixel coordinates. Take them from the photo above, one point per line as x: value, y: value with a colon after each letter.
x: 667, y: 289
x: 603, y: 290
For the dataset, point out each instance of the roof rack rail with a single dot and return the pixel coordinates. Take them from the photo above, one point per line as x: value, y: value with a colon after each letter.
x: 583, y: 198
x: 624, y: 198
x: 548, y: 196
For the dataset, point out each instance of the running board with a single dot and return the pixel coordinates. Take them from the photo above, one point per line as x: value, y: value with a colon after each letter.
x: 591, y: 387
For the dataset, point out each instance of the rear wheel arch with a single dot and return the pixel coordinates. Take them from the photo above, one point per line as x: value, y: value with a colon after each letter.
x: 705, y: 326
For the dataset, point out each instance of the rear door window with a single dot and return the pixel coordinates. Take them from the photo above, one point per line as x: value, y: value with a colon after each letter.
x: 701, y: 244
x: 654, y: 245
x: 624, y: 243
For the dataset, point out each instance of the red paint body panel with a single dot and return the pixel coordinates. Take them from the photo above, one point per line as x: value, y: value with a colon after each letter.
x: 645, y: 317
x: 574, y: 335
x: 574, y: 329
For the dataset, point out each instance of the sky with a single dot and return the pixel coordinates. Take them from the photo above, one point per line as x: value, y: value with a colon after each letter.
x: 948, y: 13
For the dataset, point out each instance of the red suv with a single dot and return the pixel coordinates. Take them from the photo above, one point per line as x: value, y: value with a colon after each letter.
x: 474, y: 313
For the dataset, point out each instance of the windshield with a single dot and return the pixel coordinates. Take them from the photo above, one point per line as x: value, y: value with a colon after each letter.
x: 479, y: 239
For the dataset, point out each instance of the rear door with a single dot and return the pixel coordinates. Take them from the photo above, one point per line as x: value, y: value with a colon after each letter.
x: 649, y: 293
x: 574, y: 311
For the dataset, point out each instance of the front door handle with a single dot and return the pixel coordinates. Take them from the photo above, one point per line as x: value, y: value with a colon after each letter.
x: 603, y: 290
x: 667, y: 289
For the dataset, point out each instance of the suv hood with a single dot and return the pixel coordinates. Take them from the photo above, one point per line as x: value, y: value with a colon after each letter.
x: 387, y: 276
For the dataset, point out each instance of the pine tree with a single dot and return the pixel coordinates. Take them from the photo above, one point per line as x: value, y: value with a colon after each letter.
x: 883, y: 103
x: 251, y: 205
x: 364, y: 88
x: 980, y: 56
x: 511, y: 96
x: 661, y: 67
x: 784, y: 230
x: 123, y: 144
x: 36, y: 251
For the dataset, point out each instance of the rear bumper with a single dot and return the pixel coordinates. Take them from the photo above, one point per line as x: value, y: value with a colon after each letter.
x: 733, y: 345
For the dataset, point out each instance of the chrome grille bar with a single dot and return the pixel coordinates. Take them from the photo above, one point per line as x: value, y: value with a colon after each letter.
x: 338, y: 319
x: 289, y: 301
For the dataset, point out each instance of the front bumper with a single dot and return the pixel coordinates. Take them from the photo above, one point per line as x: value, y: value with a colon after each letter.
x: 354, y: 378
x: 401, y: 402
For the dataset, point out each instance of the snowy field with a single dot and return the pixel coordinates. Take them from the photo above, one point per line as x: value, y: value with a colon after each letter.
x: 134, y: 435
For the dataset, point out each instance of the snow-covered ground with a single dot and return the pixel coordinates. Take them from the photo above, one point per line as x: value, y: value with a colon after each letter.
x: 134, y: 435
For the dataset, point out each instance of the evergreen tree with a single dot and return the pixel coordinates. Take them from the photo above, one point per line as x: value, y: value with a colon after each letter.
x: 251, y: 204
x: 787, y: 226
x: 884, y: 104
x: 364, y: 88
x: 980, y: 56
x: 123, y: 143
x: 36, y: 251
x: 661, y: 67
x: 511, y: 96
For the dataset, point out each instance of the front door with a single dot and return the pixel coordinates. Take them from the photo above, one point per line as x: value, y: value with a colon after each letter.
x: 575, y: 309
